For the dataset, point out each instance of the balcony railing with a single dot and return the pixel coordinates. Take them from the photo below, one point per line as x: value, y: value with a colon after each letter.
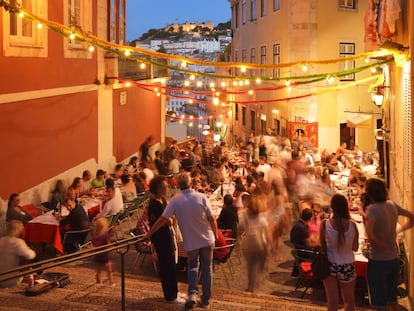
x: 134, y: 70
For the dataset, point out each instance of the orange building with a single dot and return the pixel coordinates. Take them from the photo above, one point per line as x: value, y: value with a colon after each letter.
x: 60, y: 112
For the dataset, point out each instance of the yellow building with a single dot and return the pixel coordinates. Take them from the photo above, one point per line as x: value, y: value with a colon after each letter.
x: 272, y: 32
x: 281, y: 31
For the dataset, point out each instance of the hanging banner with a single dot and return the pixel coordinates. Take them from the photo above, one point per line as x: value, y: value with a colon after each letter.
x: 307, y: 129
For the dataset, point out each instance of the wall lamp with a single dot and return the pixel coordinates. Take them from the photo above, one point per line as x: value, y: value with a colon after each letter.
x: 377, y: 95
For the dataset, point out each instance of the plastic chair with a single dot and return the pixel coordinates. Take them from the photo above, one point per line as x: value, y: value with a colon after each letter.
x: 32, y: 210
x: 221, y: 262
x: 73, y: 239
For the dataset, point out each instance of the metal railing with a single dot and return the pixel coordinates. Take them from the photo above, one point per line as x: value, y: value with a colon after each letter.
x: 121, y: 247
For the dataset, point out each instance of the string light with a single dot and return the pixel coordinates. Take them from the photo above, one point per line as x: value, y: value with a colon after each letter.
x: 91, y: 48
x: 72, y: 36
x: 142, y: 66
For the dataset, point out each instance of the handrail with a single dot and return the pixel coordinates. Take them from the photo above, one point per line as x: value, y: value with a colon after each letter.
x: 79, y: 255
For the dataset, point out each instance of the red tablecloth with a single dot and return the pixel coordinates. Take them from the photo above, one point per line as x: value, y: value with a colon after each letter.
x: 43, y: 233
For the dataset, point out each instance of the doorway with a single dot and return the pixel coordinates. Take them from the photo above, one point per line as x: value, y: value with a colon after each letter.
x: 347, y: 134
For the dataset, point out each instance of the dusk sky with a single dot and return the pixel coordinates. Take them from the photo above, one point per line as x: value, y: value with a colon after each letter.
x: 143, y: 15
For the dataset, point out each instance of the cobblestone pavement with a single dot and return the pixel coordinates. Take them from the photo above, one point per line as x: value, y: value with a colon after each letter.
x: 143, y: 289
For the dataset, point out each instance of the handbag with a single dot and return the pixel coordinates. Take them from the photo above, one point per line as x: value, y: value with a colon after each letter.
x: 320, y: 266
x: 320, y: 263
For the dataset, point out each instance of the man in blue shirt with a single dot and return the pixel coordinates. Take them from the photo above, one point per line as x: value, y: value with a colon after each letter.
x: 198, y: 228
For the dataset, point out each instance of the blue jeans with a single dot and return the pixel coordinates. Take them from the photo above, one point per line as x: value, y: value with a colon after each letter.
x: 204, y: 257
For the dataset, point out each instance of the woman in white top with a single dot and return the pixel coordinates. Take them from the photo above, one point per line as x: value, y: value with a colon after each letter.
x: 14, y: 249
x: 339, y: 237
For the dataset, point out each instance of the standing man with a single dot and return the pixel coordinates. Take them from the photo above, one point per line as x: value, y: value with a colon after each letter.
x: 384, y: 264
x: 198, y: 228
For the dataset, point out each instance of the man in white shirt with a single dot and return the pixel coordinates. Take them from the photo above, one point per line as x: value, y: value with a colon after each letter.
x: 114, y: 204
x: 263, y: 167
x: 174, y: 166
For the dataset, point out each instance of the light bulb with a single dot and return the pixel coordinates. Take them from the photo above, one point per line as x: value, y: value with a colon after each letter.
x: 142, y: 65
x: 243, y: 69
x: 127, y: 53
x: 39, y: 26
x: 72, y: 36
x: 91, y: 48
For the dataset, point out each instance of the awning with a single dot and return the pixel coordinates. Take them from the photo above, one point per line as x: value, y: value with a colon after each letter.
x: 359, y: 120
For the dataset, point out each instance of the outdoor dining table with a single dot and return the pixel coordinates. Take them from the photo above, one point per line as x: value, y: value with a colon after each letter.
x: 45, y: 228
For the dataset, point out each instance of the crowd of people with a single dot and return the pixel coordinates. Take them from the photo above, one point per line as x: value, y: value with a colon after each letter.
x: 280, y: 186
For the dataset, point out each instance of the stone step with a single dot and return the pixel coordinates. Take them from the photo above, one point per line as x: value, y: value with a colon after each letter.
x: 142, y: 293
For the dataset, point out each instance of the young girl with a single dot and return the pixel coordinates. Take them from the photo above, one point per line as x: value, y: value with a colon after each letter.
x: 100, y: 237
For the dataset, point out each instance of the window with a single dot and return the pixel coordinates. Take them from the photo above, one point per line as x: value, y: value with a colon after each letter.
x: 263, y: 60
x: 244, y: 11
x: 243, y: 115
x: 276, y: 5
x: 347, y: 4
x: 236, y: 15
x: 252, y: 121
x: 121, y: 30
x: 78, y: 15
x: 252, y: 10
x: 236, y: 112
x: 236, y: 59
x: 112, y: 21
x: 21, y: 37
x: 276, y: 60
x: 252, y: 60
x: 263, y: 4
x: 347, y: 49
x: 244, y: 56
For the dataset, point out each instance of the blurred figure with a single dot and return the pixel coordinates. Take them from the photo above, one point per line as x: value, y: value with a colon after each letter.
x: 132, y: 166
x: 144, y: 149
x: 128, y: 189
x: 15, y: 211
x: 86, y: 182
x: 103, y: 261
x: 99, y: 180
x: 253, y: 225
x: 14, y: 248
x: 228, y: 218
x: 58, y: 195
x: 339, y: 238
x: 74, y: 190
x: 159, y: 164
x: 114, y: 203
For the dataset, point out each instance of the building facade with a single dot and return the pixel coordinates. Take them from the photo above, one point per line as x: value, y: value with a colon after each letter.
x: 278, y: 31
x: 60, y: 112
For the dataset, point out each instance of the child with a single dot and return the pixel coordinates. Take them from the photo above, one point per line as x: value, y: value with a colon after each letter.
x: 100, y: 237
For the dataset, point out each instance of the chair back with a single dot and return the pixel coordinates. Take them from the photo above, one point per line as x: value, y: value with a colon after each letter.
x: 72, y: 239
x: 31, y: 209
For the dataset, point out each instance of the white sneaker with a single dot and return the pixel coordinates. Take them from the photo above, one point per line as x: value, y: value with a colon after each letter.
x: 178, y: 301
x: 182, y: 295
